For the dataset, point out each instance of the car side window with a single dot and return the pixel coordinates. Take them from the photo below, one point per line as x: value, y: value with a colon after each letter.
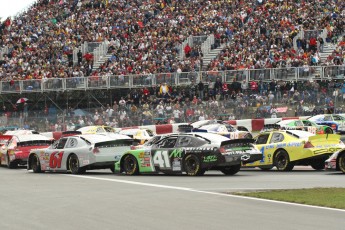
x: 72, y: 143
x: 277, y: 137
x: 337, y: 118
x: 183, y: 141
x: 61, y: 143
x: 262, y: 139
x: 327, y: 118
x: 307, y: 123
x: 167, y: 143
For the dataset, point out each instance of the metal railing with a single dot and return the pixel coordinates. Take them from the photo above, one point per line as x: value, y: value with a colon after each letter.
x: 100, y: 51
x: 206, y: 45
x: 174, y: 79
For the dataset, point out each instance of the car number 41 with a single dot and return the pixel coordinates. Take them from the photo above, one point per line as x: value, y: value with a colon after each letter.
x: 161, y: 158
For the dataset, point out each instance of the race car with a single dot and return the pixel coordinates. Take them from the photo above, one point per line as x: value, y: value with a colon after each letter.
x: 305, y: 125
x: 222, y: 128
x: 94, y: 129
x: 79, y: 153
x: 285, y: 149
x: 336, y: 122
x: 142, y: 135
x: 192, y: 153
x: 15, y: 149
x: 336, y: 161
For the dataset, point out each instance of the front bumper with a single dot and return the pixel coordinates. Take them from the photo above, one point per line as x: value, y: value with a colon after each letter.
x: 330, y: 165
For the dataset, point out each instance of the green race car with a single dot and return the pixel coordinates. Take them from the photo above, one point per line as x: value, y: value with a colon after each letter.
x: 305, y: 125
x: 192, y: 153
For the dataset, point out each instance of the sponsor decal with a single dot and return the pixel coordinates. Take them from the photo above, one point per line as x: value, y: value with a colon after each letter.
x: 176, y: 153
x: 294, y: 144
x: 210, y: 158
x: 176, y: 164
x: 245, y: 157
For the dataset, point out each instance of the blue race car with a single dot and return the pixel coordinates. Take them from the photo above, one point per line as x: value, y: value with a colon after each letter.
x: 336, y: 122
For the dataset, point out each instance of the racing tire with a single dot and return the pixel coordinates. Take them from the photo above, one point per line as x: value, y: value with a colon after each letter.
x: 130, y: 165
x: 341, y: 163
x: 192, y: 165
x: 282, y: 161
x: 248, y: 136
x: 74, y: 166
x: 35, y: 164
x: 11, y: 165
x: 267, y: 168
x: 329, y: 130
x: 318, y: 164
x: 231, y: 170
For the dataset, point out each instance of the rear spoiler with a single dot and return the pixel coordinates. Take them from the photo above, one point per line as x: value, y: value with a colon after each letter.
x: 185, y: 128
x: 271, y: 127
x: 237, y: 142
x: 115, y: 143
x: 70, y: 133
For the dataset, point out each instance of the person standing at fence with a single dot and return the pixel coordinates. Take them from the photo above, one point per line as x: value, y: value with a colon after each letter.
x: 25, y: 111
x: 201, y: 90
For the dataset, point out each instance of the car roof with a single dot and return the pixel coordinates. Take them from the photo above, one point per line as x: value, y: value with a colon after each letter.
x: 94, y: 138
x: 285, y: 122
x: 31, y: 137
x: 210, y: 136
x: 296, y: 133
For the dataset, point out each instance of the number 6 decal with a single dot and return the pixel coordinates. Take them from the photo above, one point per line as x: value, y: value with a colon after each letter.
x: 55, y: 160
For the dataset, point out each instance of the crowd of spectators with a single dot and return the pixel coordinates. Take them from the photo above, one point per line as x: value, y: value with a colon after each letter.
x: 145, y: 35
x: 195, y: 102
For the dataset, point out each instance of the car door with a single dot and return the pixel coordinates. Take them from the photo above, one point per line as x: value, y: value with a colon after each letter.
x: 56, y: 156
x: 262, y: 143
x: 162, y: 152
x: 340, y: 121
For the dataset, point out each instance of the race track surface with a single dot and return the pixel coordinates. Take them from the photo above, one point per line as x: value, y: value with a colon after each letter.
x: 101, y: 200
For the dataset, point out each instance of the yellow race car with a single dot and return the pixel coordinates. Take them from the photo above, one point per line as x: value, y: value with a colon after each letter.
x: 285, y: 149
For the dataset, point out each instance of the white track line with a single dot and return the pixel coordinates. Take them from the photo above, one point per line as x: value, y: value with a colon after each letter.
x: 203, y: 192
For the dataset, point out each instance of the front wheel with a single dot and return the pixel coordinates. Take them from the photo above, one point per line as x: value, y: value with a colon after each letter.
x: 342, y: 163
x: 130, y: 165
x: 192, y: 165
x: 282, y: 161
x: 35, y: 164
x: 231, y: 170
x: 74, y: 165
x: 266, y: 168
x: 328, y: 130
x: 318, y: 164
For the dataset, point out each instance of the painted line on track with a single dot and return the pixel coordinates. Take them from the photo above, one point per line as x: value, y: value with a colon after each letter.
x: 202, y: 192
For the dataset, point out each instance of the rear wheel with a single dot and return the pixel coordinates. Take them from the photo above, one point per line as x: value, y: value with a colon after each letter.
x: 248, y: 136
x: 282, y: 161
x: 192, y: 165
x: 231, y: 170
x: 74, y: 165
x: 342, y: 163
x: 328, y: 130
x: 35, y: 164
x: 130, y: 165
x: 318, y: 164
x: 11, y: 165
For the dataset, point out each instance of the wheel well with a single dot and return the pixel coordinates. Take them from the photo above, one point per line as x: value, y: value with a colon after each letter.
x: 338, y: 158
x: 69, y: 156
x: 275, y: 153
x: 30, y: 159
x: 122, y: 159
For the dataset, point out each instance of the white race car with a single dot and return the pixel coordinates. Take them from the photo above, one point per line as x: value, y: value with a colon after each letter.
x: 80, y: 153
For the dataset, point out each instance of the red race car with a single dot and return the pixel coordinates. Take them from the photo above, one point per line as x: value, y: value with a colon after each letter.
x: 15, y: 149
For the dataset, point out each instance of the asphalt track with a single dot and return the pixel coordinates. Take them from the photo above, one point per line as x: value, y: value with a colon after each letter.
x: 101, y: 200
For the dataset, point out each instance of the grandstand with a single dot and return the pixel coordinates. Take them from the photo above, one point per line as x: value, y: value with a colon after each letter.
x: 87, y: 54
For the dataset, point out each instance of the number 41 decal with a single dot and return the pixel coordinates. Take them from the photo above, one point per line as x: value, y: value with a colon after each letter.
x: 55, y: 160
x: 161, y: 158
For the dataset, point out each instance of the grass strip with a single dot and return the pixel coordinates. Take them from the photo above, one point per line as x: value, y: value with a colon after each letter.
x: 325, y: 197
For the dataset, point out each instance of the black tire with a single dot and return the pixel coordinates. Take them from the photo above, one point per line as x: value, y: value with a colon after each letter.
x: 73, y: 163
x: 266, y: 168
x: 318, y: 164
x: 341, y: 163
x: 35, y: 164
x: 130, y: 165
x: 328, y: 130
x: 11, y: 165
x: 248, y: 136
x: 231, y: 170
x: 282, y: 161
x: 192, y: 165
